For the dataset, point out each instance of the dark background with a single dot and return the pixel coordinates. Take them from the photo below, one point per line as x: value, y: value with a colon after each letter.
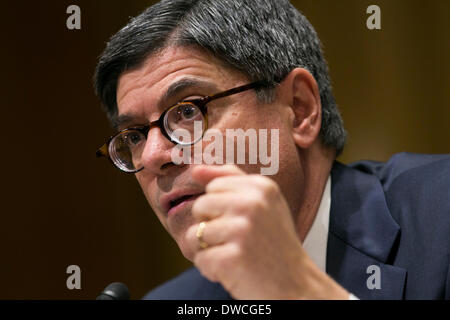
x: 62, y: 206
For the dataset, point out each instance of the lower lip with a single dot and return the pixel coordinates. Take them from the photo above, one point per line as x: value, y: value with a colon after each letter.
x: 181, y: 206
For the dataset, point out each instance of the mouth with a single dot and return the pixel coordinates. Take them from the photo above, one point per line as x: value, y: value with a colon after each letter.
x: 175, y: 203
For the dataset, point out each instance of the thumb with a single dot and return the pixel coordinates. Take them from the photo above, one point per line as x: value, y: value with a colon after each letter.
x: 204, y: 174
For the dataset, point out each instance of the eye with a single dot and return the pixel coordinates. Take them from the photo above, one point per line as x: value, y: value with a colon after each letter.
x: 183, y: 116
x: 133, y: 138
x: 187, y: 111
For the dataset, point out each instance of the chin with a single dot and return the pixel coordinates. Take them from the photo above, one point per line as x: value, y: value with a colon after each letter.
x: 178, y: 226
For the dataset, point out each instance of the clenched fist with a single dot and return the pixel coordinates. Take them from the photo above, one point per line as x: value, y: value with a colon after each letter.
x: 253, y: 249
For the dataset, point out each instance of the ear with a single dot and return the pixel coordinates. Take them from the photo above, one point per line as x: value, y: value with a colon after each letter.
x: 304, y: 100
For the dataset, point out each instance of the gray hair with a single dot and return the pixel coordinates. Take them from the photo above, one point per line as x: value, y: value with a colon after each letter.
x: 263, y: 39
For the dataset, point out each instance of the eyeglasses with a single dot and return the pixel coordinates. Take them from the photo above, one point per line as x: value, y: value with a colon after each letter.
x: 179, y: 124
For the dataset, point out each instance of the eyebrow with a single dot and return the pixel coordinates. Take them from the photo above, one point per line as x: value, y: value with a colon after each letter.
x: 122, y: 120
x: 174, y: 89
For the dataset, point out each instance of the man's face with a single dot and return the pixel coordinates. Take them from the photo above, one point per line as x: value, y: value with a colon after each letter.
x: 142, y: 96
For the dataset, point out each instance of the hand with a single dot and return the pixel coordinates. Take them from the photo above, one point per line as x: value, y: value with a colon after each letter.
x: 253, y: 248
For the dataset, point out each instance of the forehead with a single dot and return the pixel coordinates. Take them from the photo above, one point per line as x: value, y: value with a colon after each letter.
x: 141, y: 88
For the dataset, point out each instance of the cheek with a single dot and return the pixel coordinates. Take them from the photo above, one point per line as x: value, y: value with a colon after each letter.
x: 290, y: 176
x: 176, y: 226
x: 151, y: 193
x: 145, y: 185
x: 178, y: 230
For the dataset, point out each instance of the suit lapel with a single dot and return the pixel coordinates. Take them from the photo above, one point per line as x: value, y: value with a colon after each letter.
x: 362, y: 234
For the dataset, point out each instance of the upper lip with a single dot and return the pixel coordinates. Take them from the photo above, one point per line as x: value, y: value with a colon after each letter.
x: 167, y: 200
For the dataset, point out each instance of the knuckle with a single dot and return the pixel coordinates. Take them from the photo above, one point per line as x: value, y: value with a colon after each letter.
x: 267, y: 186
x: 212, y: 185
x: 215, y: 184
x: 235, y: 254
x: 196, y: 207
x: 190, y: 233
x: 271, y: 187
x: 242, y: 225
x: 199, y: 206
x: 249, y: 207
x: 259, y: 202
x: 243, y: 203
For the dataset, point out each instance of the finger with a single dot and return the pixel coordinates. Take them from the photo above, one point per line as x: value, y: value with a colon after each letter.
x: 217, y: 232
x: 203, y: 174
x: 213, y: 205
x: 245, y: 184
x: 214, y: 233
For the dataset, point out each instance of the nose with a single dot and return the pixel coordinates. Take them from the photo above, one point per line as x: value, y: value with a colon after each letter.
x: 156, y: 155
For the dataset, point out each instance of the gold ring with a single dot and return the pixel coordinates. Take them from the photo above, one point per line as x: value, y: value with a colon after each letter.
x: 199, y: 234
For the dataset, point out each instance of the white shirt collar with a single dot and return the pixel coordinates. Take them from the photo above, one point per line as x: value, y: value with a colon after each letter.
x: 315, y: 242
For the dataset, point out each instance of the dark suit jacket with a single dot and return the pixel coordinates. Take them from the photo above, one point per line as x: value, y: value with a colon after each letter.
x: 394, y: 215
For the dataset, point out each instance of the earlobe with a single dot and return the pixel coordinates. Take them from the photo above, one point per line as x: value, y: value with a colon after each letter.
x: 306, y: 107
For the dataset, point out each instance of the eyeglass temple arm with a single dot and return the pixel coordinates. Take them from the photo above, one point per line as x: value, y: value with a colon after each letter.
x: 234, y: 91
x: 102, y: 152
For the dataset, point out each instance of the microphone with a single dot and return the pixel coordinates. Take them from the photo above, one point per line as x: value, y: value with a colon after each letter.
x: 115, y: 291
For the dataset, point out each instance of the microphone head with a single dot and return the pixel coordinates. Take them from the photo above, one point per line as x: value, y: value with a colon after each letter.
x: 115, y: 291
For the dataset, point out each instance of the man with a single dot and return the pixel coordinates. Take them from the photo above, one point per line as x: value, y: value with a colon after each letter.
x: 315, y: 229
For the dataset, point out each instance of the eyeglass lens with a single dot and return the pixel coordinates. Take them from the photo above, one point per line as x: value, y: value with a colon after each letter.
x: 184, y: 124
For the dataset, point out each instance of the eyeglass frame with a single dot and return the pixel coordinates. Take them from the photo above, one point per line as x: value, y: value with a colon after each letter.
x: 103, y: 151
